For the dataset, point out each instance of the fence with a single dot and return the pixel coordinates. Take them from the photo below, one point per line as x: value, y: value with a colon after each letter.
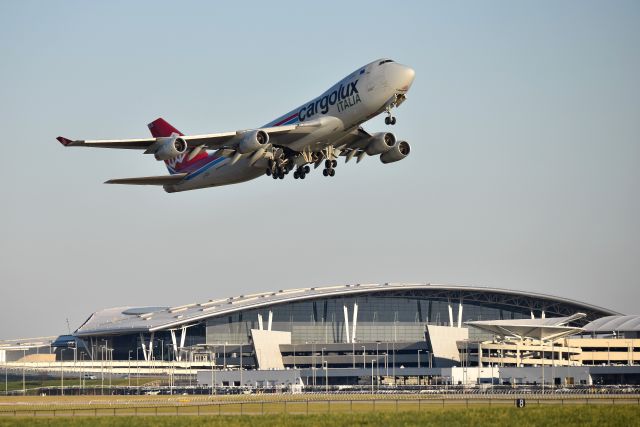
x: 304, y: 406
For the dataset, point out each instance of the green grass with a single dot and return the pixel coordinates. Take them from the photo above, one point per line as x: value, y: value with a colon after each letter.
x: 579, y: 415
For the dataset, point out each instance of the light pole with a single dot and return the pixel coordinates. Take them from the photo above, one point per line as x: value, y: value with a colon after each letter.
x: 353, y: 353
x: 377, y: 361
x: 110, y: 356
x: 371, y: 376
x: 393, y: 362
x: 211, y: 357
x: 82, y: 372
x: 24, y: 383
x: 325, y: 365
x: 62, y: 371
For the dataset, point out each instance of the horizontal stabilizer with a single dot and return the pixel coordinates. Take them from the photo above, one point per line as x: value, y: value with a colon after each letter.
x: 150, y: 180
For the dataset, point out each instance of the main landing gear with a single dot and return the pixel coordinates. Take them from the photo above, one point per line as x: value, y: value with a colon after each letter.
x: 301, y: 172
x: 390, y: 120
x: 329, y: 167
x: 276, y: 171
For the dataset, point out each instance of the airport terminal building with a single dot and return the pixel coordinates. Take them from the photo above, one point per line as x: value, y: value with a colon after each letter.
x: 350, y: 331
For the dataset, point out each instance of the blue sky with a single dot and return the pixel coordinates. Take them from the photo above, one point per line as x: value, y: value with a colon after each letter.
x: 524, y: 121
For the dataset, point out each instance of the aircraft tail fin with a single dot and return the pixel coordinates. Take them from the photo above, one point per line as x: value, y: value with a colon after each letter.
x: 161, y: 128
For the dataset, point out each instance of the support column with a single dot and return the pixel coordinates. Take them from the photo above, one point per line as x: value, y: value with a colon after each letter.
x: 151, y: 346
x: 183, y: 336
x: 144, y: 347
x: 260, y: 322
x: 270, y: 320
x: 175, y: 344
x: 346, y: 322
x: 355, y: 321
x: 450, y: 314
x: 460, y: 314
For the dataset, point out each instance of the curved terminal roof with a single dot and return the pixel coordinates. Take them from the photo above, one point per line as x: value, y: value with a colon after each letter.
x: 121, y: 320
x: 614, y: 323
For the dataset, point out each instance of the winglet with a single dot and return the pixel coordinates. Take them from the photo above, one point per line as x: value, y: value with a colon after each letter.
x: 64, y: 141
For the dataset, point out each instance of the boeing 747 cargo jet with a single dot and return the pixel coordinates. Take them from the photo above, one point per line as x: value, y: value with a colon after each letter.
x: 318, y: 131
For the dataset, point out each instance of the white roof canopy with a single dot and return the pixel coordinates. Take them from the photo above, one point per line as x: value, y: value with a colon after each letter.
x: 541, y: 329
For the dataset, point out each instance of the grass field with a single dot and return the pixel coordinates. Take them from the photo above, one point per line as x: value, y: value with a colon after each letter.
x: 578, y: 415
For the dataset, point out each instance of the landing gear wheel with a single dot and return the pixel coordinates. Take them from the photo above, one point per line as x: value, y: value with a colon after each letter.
x: 393, y: 121
x: 332, y: 172
x: 334, y: 163
x: 268, y: 172
x: 325, y: 172
x: 328, y: 164
x: 302, y: 175
x: 307, y: 169
x: 387, y: 120
x: 296, y: 175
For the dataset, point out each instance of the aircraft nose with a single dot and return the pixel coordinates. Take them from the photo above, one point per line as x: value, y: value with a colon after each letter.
x: 402, y: 77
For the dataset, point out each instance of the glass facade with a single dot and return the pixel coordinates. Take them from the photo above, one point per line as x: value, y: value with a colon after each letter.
x: 380, y: 317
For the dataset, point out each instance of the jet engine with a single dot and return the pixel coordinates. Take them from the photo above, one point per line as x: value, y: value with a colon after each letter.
x: 398, y: 152
x: 252, y: 141
x: 380, y: 143
x: 170, y: 147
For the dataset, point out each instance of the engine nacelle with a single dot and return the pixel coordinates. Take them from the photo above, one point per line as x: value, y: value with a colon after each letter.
x: 380, y: 143
x: 252, y: 140
x: 170, y: 147
x: 398, y: 152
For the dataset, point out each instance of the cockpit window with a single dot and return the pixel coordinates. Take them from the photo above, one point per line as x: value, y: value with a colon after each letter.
x: 385, y: 61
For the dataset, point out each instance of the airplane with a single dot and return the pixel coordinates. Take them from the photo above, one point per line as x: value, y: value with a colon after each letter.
x: 323, y: 129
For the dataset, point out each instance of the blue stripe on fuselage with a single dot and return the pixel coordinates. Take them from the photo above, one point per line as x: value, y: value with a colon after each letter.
x: 204, y: 168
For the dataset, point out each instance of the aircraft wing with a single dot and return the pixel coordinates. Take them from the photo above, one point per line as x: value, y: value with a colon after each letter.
x: 278, y: 135
x: 150, y: 180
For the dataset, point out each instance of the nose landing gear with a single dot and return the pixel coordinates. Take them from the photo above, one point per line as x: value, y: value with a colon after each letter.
x: 390, y: 120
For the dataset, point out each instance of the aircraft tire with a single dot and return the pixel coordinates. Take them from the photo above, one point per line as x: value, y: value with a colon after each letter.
x: 307, y: 169
x: 325, y: 172
x: 332, y: 172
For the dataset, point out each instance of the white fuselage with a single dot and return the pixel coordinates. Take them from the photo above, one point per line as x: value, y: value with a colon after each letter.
x: 358, y: 97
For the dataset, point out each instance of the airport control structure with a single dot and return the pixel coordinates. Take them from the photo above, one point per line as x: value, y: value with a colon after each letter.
x: 379, y: 334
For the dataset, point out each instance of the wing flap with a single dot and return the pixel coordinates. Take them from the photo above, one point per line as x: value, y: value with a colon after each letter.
x: 149, y: 180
